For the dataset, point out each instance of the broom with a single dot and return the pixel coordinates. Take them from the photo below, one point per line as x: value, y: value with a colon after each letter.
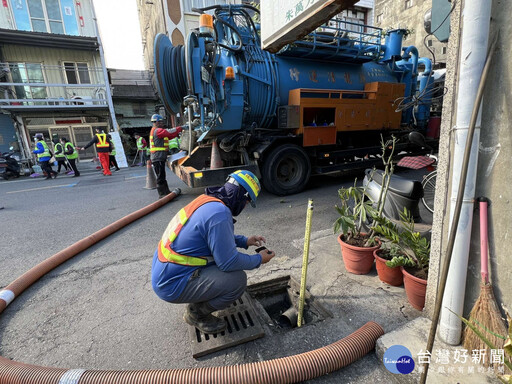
x: 485, y: 314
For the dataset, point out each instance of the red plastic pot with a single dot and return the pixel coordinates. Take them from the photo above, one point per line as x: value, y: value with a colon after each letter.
x: 388, y: 275
x: 357, y: 260
x: 415, y: 289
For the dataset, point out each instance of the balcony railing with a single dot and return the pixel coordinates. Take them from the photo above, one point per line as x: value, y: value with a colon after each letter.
x: 57, y: 87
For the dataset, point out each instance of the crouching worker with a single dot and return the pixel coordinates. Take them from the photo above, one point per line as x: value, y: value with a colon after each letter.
x: 197, y: 261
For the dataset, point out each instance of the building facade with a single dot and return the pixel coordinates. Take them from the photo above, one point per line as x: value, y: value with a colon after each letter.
x: 410, y: 15
x: 135, y: 100
x: 175, y: 18
x: 53, y: 78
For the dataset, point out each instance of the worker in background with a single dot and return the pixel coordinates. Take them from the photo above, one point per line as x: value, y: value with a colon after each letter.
x: 58, y: 151
x: 174, y: 145
x: 102, y: 148
x: 197, y: 261
x: 43, y: 156
x: 159, y: 148
x: 71, y: 154
x: 142, y: 147
x: 112, y: 155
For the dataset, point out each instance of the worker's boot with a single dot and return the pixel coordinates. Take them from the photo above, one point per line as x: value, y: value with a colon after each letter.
x: 199, y: 315
x: 163, y: 190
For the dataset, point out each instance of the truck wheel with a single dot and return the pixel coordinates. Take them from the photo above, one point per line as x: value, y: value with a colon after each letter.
x: 286, y: 170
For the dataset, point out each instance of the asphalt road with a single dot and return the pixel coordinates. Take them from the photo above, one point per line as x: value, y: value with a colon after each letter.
x: 97, y: 310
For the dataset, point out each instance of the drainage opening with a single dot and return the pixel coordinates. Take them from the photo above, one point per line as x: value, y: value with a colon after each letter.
x: 278, y: 300
x: 242, y: 326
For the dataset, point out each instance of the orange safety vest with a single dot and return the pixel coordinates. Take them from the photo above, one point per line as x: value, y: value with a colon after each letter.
x: 152, y: 140
x: 165, y: 251
x: 102, y: 140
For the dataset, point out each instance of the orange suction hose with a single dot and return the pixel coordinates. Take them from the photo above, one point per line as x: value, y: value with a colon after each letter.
x: 291, y: 369
x: 14, y: 289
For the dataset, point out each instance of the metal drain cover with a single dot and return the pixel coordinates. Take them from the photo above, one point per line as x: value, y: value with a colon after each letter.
x: 243, y: 326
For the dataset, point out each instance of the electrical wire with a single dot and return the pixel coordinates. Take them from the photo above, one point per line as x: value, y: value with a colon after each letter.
x: 423, y: 98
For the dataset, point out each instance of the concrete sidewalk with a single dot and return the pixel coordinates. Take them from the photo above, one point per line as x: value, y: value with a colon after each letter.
x: 354, y: 300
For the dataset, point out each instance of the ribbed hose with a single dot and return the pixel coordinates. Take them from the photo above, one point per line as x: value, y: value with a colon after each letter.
x: 292, y: 369
x: 35, y: 273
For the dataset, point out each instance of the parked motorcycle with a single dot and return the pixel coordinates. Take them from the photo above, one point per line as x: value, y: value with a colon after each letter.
x: 402, y: 192
x: 9, y: 166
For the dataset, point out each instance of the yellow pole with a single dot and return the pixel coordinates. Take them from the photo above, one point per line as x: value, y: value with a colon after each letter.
x: 305, y: 258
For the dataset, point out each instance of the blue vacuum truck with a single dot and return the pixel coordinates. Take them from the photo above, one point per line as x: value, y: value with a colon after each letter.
x: 319, y: 105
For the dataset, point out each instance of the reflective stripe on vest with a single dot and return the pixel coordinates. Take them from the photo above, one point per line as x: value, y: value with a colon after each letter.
x: 165, y: 252
x: 61, y: 154
x: 102, y: 140
x: 174, y: 143
x: 74, y: 155
x: 152, y: 140
x: 46, y: 152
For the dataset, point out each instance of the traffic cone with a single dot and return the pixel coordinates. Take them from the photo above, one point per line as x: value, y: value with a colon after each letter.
x: 150, y: 176
x: 216, y: 161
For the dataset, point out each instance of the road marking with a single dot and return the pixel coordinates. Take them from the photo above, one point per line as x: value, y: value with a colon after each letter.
x: 134, y: 177
x: 48, y: 187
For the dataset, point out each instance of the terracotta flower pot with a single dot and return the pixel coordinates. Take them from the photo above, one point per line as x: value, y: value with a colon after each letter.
x: 415, y: 289
x: 388, y: 275
x: 358, y: 260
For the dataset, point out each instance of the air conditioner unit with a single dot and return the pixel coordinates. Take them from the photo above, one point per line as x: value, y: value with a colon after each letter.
x: 82, y: 100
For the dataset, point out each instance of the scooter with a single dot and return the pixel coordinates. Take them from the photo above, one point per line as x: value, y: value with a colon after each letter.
x: 402, y: 192
x: 9, y: 165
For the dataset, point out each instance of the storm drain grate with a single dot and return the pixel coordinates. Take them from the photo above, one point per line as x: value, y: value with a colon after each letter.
x: 242, y: 326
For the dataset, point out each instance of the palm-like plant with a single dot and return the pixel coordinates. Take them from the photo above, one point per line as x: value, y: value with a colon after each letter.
x: 414, y: 247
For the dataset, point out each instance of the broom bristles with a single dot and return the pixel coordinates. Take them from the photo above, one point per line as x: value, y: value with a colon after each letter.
x: 486, y: 316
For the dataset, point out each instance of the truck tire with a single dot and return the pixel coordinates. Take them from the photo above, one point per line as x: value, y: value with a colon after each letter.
x: 286, y: 170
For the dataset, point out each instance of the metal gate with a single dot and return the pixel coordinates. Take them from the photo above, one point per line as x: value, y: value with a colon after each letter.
x: 78, y: 135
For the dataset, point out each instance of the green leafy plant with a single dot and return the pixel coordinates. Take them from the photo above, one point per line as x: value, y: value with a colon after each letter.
x: 389, y: 251
x: 354, y: 209
x: 357, y: 209
x: 415, y: 248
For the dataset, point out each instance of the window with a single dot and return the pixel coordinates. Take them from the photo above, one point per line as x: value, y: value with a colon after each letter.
x: 45, y: 16
x: 189, y: 4
x: 408, y: 4
x: 444, y: 50
x: 355, y: 20
x: 29, y: 73
x: 429, y: 43
x: 379, y: 18
x: 77, y: 73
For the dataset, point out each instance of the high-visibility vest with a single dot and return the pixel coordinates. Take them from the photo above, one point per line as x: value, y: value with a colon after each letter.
x: 156, y: 144
x: 113, y: 148
x: 61, y: 154
x: 46, y: 152
x: 74, y: 155
x: 102, y: 141
x: 165, y: 251
x: 140, y: 145
x: 174, y: 143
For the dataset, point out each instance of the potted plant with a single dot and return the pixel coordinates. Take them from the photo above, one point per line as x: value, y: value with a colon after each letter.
x: 414, y: 256
x: 356, y: 246
x: 389, y: 275
x: 356, y: 210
